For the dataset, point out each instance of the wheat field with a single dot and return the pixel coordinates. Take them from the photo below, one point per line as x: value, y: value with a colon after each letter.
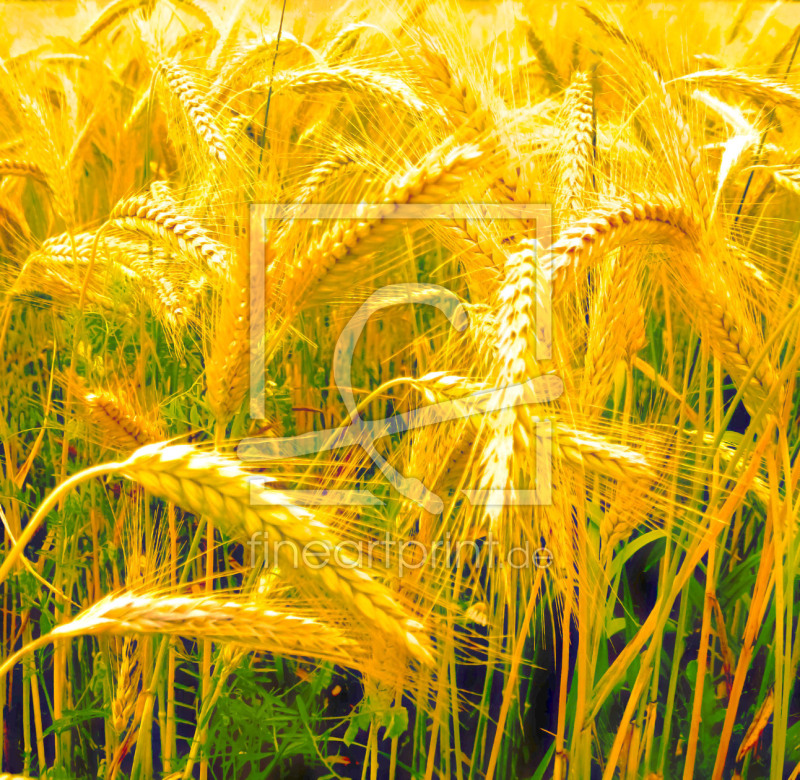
x: 251, y: 531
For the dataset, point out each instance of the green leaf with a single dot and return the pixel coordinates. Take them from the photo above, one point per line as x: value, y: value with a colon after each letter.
x: 351, y: 733
x: 395, y: 722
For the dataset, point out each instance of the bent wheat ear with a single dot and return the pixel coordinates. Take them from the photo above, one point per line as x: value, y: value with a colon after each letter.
x: 202, y: 11
x: 242, y: 622
x: 52, y: 270
x: 247, y: 61
x: 480, y: 254
x: 160, y: 221
x: 345, y: 39
x: 213, y: 485
x: 653, y: 220
x: 598, y: 455
x: 614, y: 31
x: 617, y: 328
x: 733, y: 336
x: 123, y: 428
x: 171, y: 302
x: 434, y: 180
x: 788, y: 178
x: 693, y: 172
x: 200, y: 115
x: 63, y: 249
x: 549, y: 69
x: 21, y: 168
x: 13, y: 222
x: 321, y: 174
x: 693, y: 175
x: 370, y: 83
x: 109, y: 15
x: 450, y: 89
x: 759, y: 89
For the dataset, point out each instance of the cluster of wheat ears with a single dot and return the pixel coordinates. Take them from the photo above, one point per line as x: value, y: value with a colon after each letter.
x: 657, y: 637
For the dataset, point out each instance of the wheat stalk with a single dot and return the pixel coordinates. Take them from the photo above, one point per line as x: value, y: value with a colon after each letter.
x: 226, y: 368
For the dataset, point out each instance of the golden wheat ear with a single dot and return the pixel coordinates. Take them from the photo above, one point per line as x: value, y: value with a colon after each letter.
x: 213, y: 485
x: 762, y: 90
x: 650, y: 219
x: 617, y: 329
x: 128, y: 677
x: 436, y: 179
x: 196, y: 106
x: 110, y: 15
x: 160, y: 220
x: 243, y: 622
x: 122, y: 427
x: 374, y: 84
x: 576, y: 157
x: 21, y: 168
